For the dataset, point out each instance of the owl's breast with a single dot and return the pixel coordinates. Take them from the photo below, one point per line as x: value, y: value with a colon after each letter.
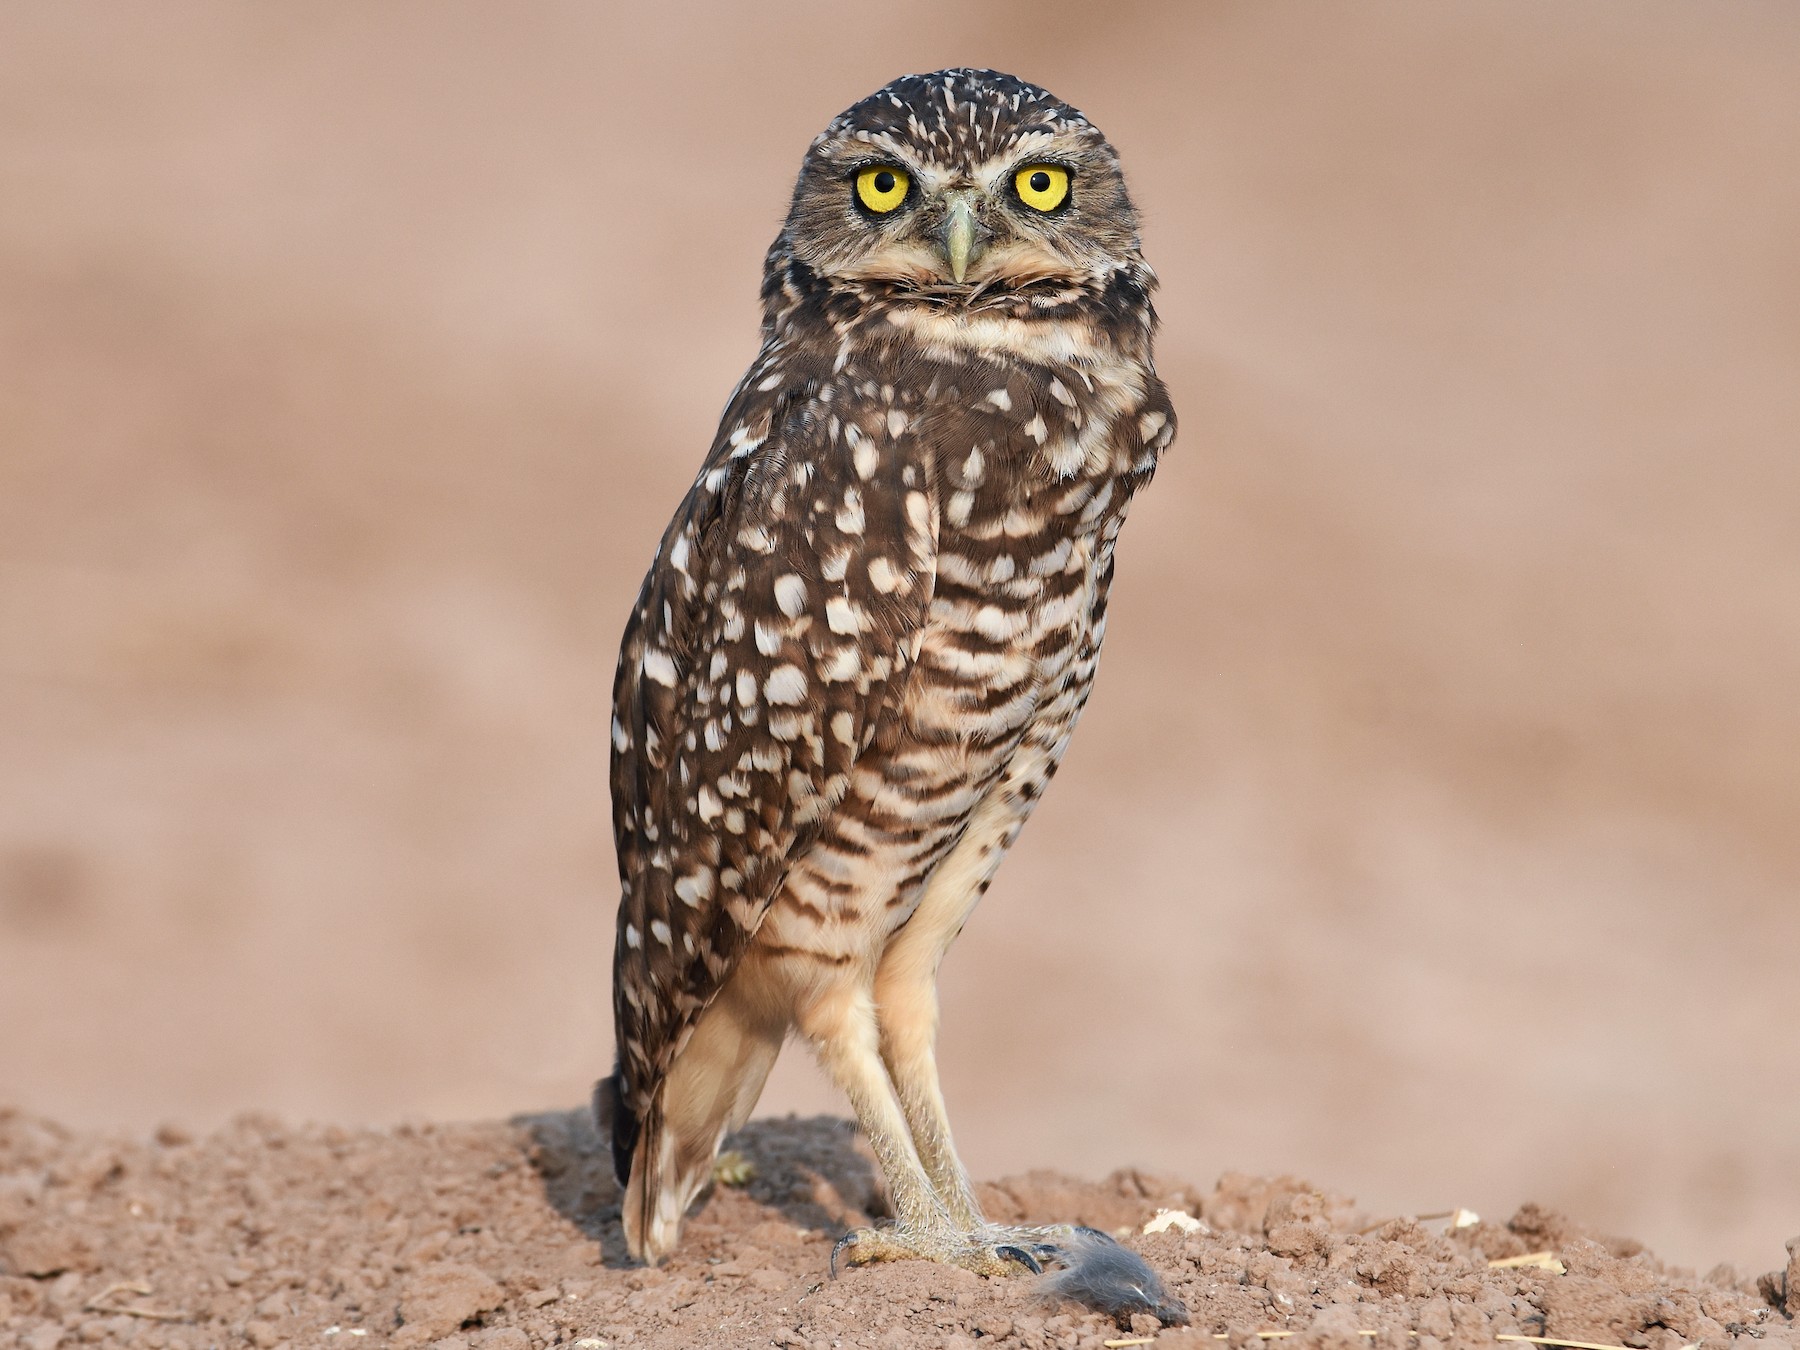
x: 1013, y: 610
x: 1033, y: 469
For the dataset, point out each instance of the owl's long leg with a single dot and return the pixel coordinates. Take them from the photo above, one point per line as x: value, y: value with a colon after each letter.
x: 906, y: 995
x: 906, y: 992
x: 840, y: 1024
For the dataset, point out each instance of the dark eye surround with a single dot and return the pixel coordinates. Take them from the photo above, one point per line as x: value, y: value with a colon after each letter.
x: 880, y: 189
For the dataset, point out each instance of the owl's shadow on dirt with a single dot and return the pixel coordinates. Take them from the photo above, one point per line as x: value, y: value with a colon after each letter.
x: 813, y: 1172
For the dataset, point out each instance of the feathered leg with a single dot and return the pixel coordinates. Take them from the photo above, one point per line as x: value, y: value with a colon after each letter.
x: 840, y: 1024
x: 907, y: 1003
x: 906, y: 997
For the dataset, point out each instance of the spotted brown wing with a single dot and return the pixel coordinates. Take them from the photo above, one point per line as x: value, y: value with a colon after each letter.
x: 782, y: 611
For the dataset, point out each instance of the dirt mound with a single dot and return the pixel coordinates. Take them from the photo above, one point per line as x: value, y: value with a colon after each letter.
x: 506, y: 1237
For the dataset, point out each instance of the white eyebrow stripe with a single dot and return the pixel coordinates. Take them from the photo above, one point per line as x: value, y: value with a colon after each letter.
x: 1013, y: 156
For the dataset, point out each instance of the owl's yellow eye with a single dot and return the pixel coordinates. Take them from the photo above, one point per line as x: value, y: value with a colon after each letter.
x: 881, y: 188
x: 1043, y: 187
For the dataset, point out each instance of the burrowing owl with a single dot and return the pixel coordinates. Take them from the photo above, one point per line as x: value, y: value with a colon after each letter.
x: 861, y: 649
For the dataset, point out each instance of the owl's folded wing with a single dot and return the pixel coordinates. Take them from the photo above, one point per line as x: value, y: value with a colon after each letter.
x: 776, y: 625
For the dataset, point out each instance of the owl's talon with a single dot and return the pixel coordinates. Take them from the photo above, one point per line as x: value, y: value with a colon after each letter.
x: 1021, y: 1257
x: 838, y: 1247
x: 981, y: 1252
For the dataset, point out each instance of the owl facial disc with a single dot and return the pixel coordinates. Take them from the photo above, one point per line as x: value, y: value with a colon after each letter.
x: 961, y: 187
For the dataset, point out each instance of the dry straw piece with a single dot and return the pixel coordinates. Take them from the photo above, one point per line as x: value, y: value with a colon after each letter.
x: 1282, y: 1335
x: 102, y: 1303
x: 1459, y: 1218
x: 1573, y: 1345
x: 1531, y: 1260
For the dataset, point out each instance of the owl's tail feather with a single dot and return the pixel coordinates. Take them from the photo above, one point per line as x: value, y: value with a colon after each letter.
x: 656, y: 1199
x: 641, y: 1147
x: 709, y: 1090
x: 616, y: 1120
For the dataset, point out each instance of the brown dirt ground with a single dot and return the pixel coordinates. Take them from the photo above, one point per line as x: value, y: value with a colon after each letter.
x: 505, y: 1236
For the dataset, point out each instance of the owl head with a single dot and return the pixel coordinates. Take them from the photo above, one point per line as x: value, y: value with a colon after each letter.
x: 961, y: 182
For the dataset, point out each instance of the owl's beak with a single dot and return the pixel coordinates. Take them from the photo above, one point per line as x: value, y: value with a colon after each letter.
x: 962, y: 236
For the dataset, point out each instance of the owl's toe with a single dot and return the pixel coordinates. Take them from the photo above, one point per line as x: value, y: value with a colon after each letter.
x: 1021, y: 1256
x: 980, y: 1253
x: 1051, y: 1242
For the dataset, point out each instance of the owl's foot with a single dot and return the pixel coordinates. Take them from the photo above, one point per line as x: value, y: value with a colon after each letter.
x: 1048, y: 1242
x: 984, y: 1252
x: 1095, y: 1270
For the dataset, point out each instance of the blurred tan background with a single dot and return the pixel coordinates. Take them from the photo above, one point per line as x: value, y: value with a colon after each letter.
x: 1435, y: 831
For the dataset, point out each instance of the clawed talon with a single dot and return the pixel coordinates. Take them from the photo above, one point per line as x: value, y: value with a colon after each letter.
x: 848, y: 1240
x: 1023, y: 1257
x: 1079, y: 1234
x: 992, y: 1249
x: 986, y: 1252
x: 1096, y: 1270
x: 1057, y: 1243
